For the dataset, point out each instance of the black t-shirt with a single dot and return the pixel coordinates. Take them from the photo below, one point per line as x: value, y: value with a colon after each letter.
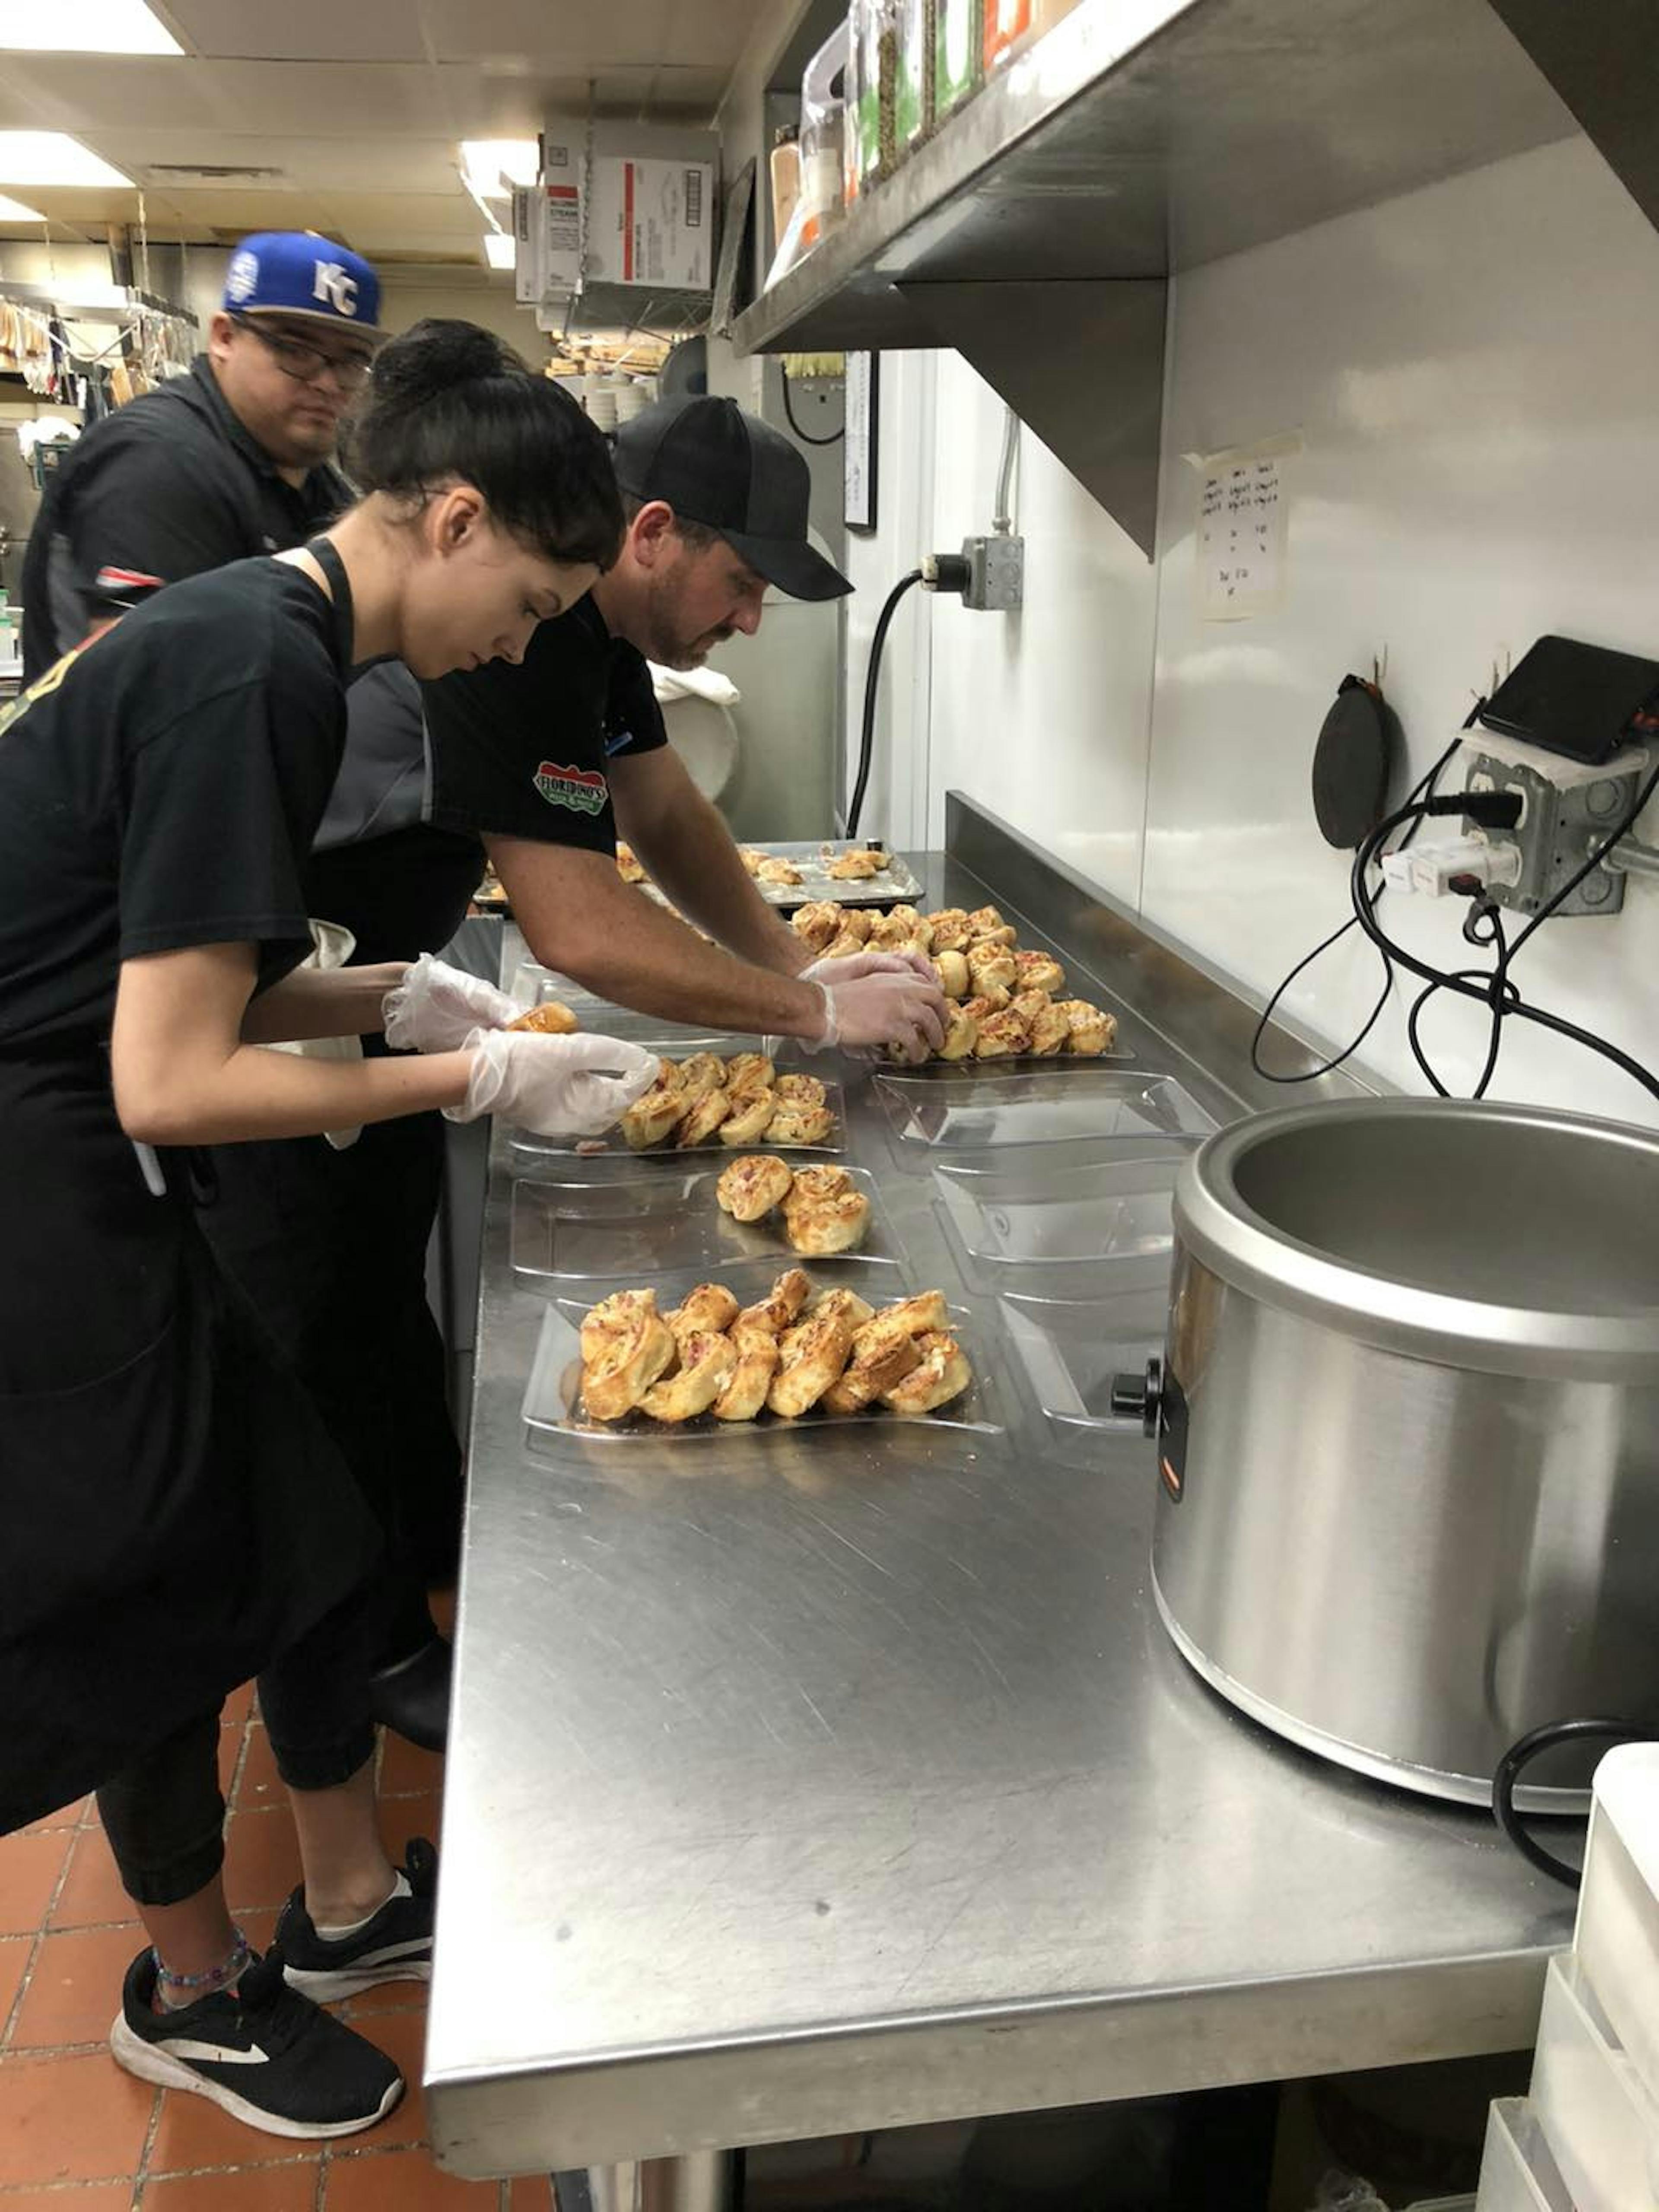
x: 160, y: 789
x: 168, y: 487
x: 520, y: 749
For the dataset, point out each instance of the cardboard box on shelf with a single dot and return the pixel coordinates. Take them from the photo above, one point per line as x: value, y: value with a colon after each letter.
x: 640, y: 209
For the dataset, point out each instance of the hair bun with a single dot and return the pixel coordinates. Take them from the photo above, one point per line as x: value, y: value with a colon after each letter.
x: 436, y: 354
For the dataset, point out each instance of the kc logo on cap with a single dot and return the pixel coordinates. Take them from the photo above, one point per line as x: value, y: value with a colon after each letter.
x: 335, y: 288
x: 295, y: 272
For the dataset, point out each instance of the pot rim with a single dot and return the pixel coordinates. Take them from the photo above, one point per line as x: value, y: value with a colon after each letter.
x: 1217, y: 1225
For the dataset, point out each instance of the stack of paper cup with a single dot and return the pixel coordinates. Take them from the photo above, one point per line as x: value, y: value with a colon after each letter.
x: 631, y: 397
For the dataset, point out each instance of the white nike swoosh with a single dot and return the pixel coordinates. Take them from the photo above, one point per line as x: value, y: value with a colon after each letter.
x: 217, y: 2054
x: 386, y: 1951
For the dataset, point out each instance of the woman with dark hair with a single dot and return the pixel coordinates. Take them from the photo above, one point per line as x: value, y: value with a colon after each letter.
x: 172, y: 1516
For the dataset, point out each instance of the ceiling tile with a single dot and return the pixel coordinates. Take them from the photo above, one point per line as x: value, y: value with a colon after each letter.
x: 200, y: 214
x: 586, y: 37
x: 433, y: 244
x: 361, y: 99
x: 302, y: 30
x: 574, y: 35
x: 83, y: 207
x: 709, y: 32
x: 403, y: 165
x: 81, y: 92
x: 384, y: 212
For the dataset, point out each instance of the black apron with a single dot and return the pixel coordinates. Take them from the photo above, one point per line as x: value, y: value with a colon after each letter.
x: 173, y: 1513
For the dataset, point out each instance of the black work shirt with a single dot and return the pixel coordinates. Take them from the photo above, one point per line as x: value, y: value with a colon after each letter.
x: 160, y: 789
x: 171, y: 1512
x: 515, y: 751
x: 167, y: 487
x: 521, y: 750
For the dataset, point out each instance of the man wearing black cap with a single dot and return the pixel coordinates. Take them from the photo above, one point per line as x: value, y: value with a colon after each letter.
x: 547, y: 759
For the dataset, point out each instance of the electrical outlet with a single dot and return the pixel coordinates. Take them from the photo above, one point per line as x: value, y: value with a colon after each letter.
x: 996, y: 572
x: 1557, y: 832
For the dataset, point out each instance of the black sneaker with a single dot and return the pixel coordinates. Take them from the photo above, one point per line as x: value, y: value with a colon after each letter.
x: 395, y: 1946
x: 260, y: 2052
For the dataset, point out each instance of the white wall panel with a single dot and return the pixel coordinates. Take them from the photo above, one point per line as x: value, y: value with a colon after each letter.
x: 1469, y: 370
x: 1042, y: 714
x: 902, y: 771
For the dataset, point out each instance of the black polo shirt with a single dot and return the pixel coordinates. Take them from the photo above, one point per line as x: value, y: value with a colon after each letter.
x: 167, y: 487
x: 522, y: 751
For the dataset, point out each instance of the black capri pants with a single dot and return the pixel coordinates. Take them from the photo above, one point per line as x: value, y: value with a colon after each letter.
x: 164, y: 1815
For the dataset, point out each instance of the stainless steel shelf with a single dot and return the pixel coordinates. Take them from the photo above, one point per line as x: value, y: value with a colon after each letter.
x: 1109, y: 152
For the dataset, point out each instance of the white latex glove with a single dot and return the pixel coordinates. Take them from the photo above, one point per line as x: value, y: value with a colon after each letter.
x: 885, y: 1001
x: 559, y: 1086
x: 436, y: 1008
x: 851, y: 965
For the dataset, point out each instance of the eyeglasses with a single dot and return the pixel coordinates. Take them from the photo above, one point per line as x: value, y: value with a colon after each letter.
x: 306, y: 363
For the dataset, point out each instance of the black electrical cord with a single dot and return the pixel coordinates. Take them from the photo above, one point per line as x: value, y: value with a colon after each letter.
x: 1483, y: 991
x: 1424, y: 788
x: 805, y: 436
x: 1521, y: 1755
x: 1505, y: 999
x: 872, y: 675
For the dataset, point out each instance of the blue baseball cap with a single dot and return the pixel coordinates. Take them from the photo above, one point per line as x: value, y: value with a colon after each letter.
x: 295, y: 272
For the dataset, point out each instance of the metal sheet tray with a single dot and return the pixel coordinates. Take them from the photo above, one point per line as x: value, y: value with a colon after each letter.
x: 893, y: 886
x: 1113, y: 1215
x: 650, y: 1222
x: 1092, y: 1099
x: 1069, y: 1350
x: 552, y: 1399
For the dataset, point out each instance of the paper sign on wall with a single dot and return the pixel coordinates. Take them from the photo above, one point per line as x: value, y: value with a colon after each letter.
x: 1243, y: 533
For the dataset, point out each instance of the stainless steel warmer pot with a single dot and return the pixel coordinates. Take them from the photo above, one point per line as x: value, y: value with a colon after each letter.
x: 1409, y: 1432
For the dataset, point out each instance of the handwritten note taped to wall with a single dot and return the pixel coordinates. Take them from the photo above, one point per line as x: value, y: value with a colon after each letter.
x: 1242, y: 535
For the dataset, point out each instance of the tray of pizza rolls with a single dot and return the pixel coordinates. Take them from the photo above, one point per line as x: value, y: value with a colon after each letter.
x: 792, y: 873
x: 709, y: 1099
x: 1004, y: 1001
x: 756, y: 1206
x: 752, y: 1349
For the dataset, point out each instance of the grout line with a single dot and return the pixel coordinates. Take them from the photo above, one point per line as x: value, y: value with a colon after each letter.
x: 9, y: 2028
x: 232, y: 1789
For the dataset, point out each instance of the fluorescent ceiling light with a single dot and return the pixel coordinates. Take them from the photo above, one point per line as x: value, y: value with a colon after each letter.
x: 50, y: 157
x: 90, y: 26
x: 499, y: 251
x: 15, y: 211
x: 491, y: 167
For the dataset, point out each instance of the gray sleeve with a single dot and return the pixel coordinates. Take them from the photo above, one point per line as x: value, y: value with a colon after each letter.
x: 382, y: 783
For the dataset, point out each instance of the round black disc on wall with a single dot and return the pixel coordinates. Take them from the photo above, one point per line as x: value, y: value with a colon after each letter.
x: 1352, y: 763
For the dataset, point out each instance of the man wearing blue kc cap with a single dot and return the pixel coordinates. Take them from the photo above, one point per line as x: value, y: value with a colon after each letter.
x: 232, y: 460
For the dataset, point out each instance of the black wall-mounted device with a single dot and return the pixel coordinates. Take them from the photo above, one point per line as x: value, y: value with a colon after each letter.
x: 1580, y: 700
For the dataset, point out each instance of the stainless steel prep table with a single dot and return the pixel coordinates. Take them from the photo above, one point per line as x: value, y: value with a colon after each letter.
x: 837, y: 1783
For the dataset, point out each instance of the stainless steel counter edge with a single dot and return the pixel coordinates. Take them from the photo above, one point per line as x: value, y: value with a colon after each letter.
x: 860, y: 2076
x: 842, y: 1781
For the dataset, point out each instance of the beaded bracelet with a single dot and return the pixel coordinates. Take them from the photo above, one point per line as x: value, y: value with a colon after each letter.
x: 218, y: 1973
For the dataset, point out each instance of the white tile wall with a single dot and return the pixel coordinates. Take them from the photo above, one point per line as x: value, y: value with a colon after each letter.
x: 1474, y: 373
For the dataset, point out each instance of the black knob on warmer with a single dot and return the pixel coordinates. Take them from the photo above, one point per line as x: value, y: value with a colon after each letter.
x: 1139, y: 1396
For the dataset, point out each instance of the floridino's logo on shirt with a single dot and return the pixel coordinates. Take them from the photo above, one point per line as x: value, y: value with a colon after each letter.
x: 582, y: 789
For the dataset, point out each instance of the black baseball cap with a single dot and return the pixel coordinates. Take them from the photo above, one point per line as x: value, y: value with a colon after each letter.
x: 715, y: 465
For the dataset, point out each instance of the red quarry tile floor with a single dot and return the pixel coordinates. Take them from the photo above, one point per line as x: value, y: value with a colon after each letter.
x: 77, y: 2135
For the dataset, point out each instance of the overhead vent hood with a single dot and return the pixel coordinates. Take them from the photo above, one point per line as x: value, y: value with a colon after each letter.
x: 1142, y: 138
